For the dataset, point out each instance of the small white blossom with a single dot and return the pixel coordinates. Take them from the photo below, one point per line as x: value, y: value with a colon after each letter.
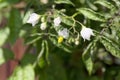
x: 64, y: 33
x: 77, y: 42
x: 43, y: 19
x: 86, y: 33
x: 57, y: 21
x: 33, y: 19
x: 44, y: 1
x: 43, y: 26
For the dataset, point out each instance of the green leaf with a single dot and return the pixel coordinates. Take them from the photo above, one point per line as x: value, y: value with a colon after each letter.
x: 28, y: 73
x: 47, y: 51
x: 42, y: 49
x: 4, y: 33
x: 105, y: 3
x: 117, y: 3
x: 15, y: 24
x: 28, y: 59
x: 87, y: 59
x: 31, y: 40
x: 110, y: 46
x: 91, y: 5
x: 5, y: 55
x: 64, y: 2
x: 67, y: 21
x: 23, y: 73
x: 13, y: 1
x: 91, y: 14
x: 3, y: 4
x: 17, y: 74
x: 42, y: 62
x: 40, y: 58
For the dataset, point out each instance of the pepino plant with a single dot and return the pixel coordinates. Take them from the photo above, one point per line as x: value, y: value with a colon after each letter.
x: 65, y: 39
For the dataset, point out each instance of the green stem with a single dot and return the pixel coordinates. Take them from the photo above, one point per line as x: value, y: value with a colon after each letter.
x: 74, y: 15
x: 80, y: 24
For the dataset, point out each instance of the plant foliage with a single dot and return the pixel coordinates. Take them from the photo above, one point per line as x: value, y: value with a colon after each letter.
x: 57, y: 49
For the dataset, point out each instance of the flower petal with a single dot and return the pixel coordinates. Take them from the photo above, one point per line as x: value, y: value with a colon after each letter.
x: 86, y: 33
x: 64, y: 33
x: 57, y: 21
x: 33, y: 19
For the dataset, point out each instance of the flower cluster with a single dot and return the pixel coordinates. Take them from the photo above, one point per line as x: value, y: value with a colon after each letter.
x: 63, y: 33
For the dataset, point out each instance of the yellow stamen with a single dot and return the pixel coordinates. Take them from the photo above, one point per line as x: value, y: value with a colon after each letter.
x: 60, y: 39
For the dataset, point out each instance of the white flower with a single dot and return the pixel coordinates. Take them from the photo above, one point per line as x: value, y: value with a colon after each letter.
x: 43, y: 26
x: 64, y: 33
x: 57, y: 21
x: 86, y: 33
x: 33, y: 19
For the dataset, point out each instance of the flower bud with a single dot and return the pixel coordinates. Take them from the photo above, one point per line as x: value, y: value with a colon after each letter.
x: 44, y: 1
x: 76, y: 42
x: 43, y: 26
x: 43, y: 19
